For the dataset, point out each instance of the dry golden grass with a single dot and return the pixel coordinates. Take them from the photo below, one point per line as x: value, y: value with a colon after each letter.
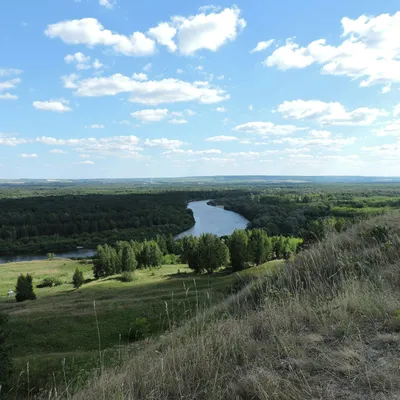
x: 325, y: 326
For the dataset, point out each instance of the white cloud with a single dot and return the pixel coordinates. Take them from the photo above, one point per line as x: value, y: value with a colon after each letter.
x: 386, y: 89
x: 164, y: 143
x: 392, y: 128
x: 139, y: 77
x: 385, y: 151
x: 251, y: 107
x: 207, y: 31
x: 8, y: 140
x: 149, y: 92
x: 87, y: 162
x: 108, y: 3
x: 96, y: 126
x: 221, y: 77
x: 262, y: 46
x: 122, y: 146
x: 266, y: 128
x: 24, y: 155
x: 81, y: 61
x: 9, y: 71
x: 57, y: 106
x: 221, y: 138
x: 318, y: 139
x: 176, y: 121
x: 90, y: 32
x: 369, y: 51
x: 164, y: 34
x: 69, y: 81
x: 11, y: 84
x: 192, y: 152
x: 8, y: 96
x: 221, y: 109
x: 190, y: 112
x: 58, y: 151
x: 328, y: 113
x: 156, y: 115
x: 289, y: 56
x: 179, y: 71
x: 349, y: 158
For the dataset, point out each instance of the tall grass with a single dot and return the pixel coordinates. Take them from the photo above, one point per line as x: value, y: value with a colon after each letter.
x: 325, y: 326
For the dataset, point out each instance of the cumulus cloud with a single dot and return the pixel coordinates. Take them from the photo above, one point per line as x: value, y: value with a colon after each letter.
x: 9, y: 71
x: 369, y: 51
x: 396, y: 110
x: 96, y: 126
x: 262, y: 46
x: 209, y: 30
x: 164, y: 143
x: 156, y: 115
x: 332, y: 113
x: 8, y: 96
x: 318, y: 139
x: 87, y: 162
x: 8, y: 85
x: 148, y: 92
x: 178, y: 121
x: 221, y: 109
x: 124, y: 146
x: 90, y: 32
x: 192, y: 152
x: 10, y: 140
x: 266, y: 128
x: 108, y: 3
x: 221, y: 138
x: 139, y: 76
x: 57, y: 151
x: 82, y: 62
x: 24, y: 155
x: 392, y: 128
x: 52, y: 105
x: 384, y: 151
x: 164, y: 34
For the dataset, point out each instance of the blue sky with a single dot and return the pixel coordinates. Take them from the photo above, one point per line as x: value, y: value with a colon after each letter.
x: 116, y: 88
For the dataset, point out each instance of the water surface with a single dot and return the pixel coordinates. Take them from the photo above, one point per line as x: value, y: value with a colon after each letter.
x: 213, y: 220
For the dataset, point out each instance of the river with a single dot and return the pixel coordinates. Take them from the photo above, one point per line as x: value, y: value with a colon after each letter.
x: 208, y: 219
x: 213, y: 220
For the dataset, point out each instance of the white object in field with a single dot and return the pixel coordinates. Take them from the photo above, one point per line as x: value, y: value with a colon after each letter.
x: 10, y: 293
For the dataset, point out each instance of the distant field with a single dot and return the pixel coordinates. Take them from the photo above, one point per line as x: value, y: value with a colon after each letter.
x: 61, y: 323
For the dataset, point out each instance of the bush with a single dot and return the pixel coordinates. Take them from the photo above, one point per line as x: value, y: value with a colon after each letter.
x: 24, y: 289
x: 171, y: 259
x: 140, y: 329
x: 49, y: 282
x: 77, y: 279
x: 51, y: 256
x: 127, y: 277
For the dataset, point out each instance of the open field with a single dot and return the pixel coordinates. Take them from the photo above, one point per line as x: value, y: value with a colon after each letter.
x: 61, y: 323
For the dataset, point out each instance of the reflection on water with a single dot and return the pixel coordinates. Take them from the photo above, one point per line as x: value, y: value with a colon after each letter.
x: 213, y: 220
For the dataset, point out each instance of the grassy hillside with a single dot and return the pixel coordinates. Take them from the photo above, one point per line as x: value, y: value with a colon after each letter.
x: 61, y: 323
x: 326, y: 326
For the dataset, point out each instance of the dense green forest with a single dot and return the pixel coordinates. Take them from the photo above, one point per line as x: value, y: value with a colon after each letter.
x: 51, y: 218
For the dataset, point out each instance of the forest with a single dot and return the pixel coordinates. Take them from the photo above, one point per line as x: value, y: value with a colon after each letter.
x: 53, y: 218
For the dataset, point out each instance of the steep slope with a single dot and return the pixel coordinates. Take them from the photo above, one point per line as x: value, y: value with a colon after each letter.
x: 325, y: 326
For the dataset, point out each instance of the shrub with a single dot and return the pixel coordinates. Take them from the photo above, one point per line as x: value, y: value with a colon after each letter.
x: 49, y: 282
x: 24, y: 289
x: 140, y: 329
x: 127, y: 277
x: 51, y: 256
x: 77, y: 279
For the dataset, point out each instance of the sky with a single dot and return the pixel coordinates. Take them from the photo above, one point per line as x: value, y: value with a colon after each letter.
x: 128, y: 89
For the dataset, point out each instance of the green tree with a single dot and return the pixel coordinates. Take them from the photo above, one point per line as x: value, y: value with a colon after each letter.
x: 24, y: 289
x: 260, y: 247
x: 77, y: 279
x: 128, y: 259
x: 190, y: 254
x: 99, y: 263
x: 155, y: 254
x: 5, y: 355
x: 238, y: 249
